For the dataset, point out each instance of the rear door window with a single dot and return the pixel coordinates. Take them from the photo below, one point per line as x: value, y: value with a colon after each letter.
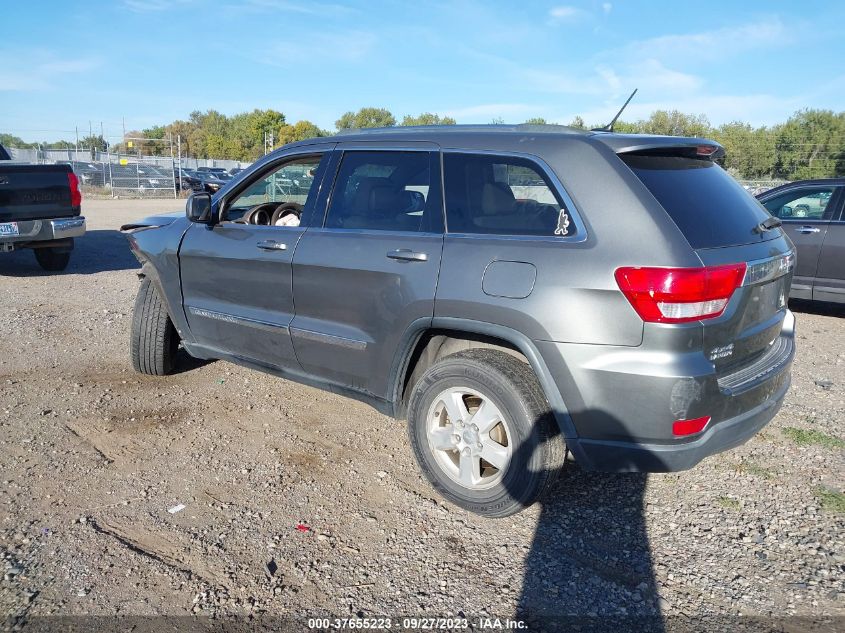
x: 385, y: 191
x: 503, y: 195
x: 709, y: 207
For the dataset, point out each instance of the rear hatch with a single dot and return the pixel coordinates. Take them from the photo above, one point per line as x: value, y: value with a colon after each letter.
x: 35, y: 192
x: 722, y: 223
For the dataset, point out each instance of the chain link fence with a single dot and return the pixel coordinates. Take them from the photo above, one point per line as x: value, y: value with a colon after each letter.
x: 144, y: 168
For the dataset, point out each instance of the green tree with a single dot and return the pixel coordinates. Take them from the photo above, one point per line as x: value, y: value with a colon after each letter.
x: 578, y: 122
x: 809, y: 145
x: 537, y: 120
x: 749, y: 152
x: 57, y: 145
x: 427, y: 118
x: 9, y: 140
x: 366, y: 117
x: 299, y: 131
x: 674, y: 123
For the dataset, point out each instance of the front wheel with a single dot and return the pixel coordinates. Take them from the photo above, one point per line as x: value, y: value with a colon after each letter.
x: 483, y: 434
x: 154, y: 341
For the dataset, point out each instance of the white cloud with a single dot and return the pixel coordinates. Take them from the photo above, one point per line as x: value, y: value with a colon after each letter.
x: 318, y: 48
x: 152, y: 6
x: 40, y: 70
x: 565, y: 13
x: 308, y: 8
x: 488, y: 111
x: 716, y: 44
x: 606, y: 7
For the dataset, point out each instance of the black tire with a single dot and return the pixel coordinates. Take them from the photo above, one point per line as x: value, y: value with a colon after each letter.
x: 51, y: 259
x: 154, y: 341
x: 538, y: 450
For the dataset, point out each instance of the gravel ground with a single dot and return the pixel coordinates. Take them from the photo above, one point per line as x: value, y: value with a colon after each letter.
x: 301, y: 502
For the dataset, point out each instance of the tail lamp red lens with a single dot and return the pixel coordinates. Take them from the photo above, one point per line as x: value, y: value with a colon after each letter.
x: 690, y: 427
x: 75, y: 193
x: 679, y: 295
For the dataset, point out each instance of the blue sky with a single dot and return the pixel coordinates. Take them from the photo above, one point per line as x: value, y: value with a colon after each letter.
x: 152, y: 61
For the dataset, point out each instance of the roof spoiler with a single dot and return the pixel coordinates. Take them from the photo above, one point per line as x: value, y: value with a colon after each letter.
x: 645, y: 144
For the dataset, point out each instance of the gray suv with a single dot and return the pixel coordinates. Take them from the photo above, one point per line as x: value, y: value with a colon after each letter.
x: 518, y: 293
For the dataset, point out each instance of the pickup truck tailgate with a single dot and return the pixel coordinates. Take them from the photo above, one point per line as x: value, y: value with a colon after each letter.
x: 35, y: 192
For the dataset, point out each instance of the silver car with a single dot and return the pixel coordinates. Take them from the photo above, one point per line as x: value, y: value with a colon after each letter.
x: 518, y: 294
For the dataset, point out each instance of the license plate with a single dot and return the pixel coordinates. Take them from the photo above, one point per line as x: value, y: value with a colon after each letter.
x: 9, y: 229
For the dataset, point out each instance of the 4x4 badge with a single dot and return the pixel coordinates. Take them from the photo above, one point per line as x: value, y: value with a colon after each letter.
x: 562, y: 223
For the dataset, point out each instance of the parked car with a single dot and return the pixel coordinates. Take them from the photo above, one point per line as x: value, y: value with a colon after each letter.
x: 184, y: 177
x: 620, y: 298
x: 235, y: 171
x: 812, y: 215
x: 212, y: 170
x: 210, y: 182
x: 40, y: 209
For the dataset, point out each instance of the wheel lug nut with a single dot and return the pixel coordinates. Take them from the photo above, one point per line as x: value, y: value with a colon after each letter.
x: 474, y: 427
x: 460, y: 424
x: 479, y: 446
x: 456, y: 438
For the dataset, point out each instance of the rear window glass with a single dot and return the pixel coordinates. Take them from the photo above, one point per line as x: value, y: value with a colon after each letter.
x: 710, y: 208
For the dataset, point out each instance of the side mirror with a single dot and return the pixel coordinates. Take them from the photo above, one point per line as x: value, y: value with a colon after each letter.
x: 198, y: 208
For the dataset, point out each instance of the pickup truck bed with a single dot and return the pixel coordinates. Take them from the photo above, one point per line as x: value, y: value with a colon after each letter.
x: 40, y: 208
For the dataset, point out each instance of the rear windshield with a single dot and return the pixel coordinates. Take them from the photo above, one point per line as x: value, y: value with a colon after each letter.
x: 710, y: 208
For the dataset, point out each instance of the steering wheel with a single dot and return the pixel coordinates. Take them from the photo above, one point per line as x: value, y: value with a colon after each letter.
x: 284, y: 208
x: 259, y: 215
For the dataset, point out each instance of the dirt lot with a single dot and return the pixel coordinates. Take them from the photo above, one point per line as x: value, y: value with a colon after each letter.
x: 93, y: 456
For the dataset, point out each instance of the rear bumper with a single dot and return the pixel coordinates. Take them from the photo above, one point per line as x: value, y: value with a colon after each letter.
x: 612, y: 456
x: 46, y: 230
x: 623, y: 401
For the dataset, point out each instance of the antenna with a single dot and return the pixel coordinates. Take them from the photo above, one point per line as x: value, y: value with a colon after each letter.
x: 609, y: 126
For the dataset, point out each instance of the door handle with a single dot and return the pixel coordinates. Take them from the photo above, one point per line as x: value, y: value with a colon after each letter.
x: 271, y: 245
x: 808, y: 229
x: 407, y: 255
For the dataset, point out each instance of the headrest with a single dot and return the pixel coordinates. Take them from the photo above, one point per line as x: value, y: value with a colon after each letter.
x: 384, y: 201
x: 497, y: 199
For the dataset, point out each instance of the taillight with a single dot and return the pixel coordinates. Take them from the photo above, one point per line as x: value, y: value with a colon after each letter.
x: 678, y: 295
x: 75, y: 193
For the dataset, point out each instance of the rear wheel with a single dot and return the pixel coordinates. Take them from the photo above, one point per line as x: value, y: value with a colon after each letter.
x: 154, y: 340
x: 52, y: 259
x: 483, y: 434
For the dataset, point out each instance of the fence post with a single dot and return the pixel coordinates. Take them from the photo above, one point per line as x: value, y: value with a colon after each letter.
x: 173, y: 169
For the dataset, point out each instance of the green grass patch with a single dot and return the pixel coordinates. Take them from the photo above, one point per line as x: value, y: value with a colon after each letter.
x: 803, y: 437
x: 729, y: 502
x: 831, y: 500
x: 757, y: 470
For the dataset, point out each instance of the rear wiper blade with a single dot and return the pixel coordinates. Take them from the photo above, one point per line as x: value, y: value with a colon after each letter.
x: 767, y: 225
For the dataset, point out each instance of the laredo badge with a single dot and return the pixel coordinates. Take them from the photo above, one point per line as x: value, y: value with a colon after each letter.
x: 562, y: 223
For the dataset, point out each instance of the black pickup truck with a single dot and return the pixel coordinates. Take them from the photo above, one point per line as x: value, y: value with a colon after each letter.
x: 40, y: 208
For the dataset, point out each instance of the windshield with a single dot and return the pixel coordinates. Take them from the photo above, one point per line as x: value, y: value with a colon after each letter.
x: 709, y: 207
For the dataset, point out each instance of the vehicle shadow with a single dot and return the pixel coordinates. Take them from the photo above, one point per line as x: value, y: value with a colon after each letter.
x: 589, y: 567
x: 186, y: 363
x: 97, y: 251
x: 817, y: 307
